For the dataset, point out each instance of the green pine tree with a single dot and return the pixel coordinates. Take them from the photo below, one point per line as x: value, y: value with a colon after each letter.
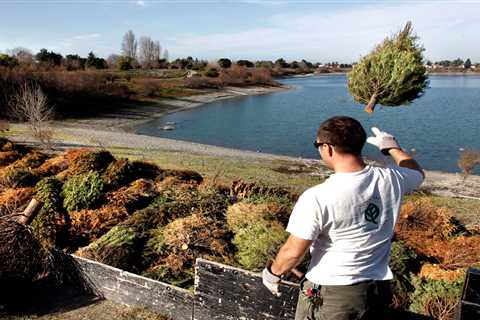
x: 393, y: 74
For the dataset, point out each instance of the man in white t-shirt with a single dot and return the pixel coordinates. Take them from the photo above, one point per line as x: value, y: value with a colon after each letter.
x: 347, y: 222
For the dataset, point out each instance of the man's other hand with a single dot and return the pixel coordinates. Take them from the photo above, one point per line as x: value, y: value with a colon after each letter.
x: 383, y: 141
x: 271, y: 281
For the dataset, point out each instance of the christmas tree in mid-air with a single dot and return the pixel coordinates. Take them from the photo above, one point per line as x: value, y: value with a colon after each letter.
x: 393, y: 74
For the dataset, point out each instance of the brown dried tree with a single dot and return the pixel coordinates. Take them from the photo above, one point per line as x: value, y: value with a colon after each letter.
x: 30, y: 104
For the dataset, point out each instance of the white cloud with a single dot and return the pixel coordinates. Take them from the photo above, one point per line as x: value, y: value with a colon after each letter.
x: 87, y: 36
x: 140, y: 3
x: 446, y: 29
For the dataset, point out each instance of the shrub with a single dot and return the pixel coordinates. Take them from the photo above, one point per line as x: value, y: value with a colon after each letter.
x: 13, y: 200
x: 261, y: 76
x: 211, y: 73
x: 177, y: 245
x: 225, y: 63
x: 257, y: 243
x: 48, y: 191
x: 125, y: 63
x: 119, y: 248
x: 242, y: 214
x: 44, y: 228
x: 468, y: 160
x: 82, y: 191
x: 202, y: 83
x: 82, y: 161
x: 31, y: 160
x: 8, y: 157
x: 436, y: 299
x: 436, y: 272
x: 19, y: 177
x: 245, y: 63
x: 403, y: 262
x: 235, y: 76
x: 133, y: 197
x: 241, y: 189
x: 88, y: 225
x: 182, y: 175
x: 143, y: 169
x: 52, y: 166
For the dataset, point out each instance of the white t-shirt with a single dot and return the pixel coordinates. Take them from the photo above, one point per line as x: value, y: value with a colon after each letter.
x: 350, y: 218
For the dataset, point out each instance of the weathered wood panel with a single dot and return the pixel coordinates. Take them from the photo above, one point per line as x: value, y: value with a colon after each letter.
x: 470, y: 300
x: 131, y: 289
x: 224, y: 292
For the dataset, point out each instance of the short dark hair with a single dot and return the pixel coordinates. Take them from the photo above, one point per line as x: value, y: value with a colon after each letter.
x: 344, y: 133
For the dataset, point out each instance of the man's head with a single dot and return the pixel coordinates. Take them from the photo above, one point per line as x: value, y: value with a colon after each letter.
x: 343, y: 135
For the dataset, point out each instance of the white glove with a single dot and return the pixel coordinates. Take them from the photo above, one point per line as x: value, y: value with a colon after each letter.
x: 383, y: 141
x: 271, y: 281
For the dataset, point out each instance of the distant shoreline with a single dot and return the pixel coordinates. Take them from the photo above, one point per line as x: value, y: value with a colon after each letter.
x: 127, y: 119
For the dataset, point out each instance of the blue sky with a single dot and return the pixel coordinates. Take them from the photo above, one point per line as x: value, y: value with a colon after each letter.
x: 253, y: 29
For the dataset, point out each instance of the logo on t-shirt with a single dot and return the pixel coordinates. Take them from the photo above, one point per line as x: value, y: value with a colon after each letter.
x: 371, y: 213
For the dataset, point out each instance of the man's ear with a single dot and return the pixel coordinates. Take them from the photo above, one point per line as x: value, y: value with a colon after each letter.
x: 331, y: 150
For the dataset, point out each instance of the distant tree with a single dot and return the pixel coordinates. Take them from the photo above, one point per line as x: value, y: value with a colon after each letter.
x: 444, y: 63
x: 125, y: 63
x: 7, y: 61
x: 281, y: 63
x: 42, y: 55
x: 305, y: 64
x: 23, y: 55
x: 198, y: 64
x: 294, y: 65
x: 129, y: 45
x: 95, y: 62
x: 265, y: 64
x: 457, y: 62
x: 467, y: 64
x: 162, y: 64
x: 147, y: 53
x: 112, y: 61
x: 74, y: 62
x: 30, y: 104
x: 49, y: 58
x: 165, y: 55
x: 224, y: 63
x: 157, y: 50
x: 245, y: 63
x: 429, y: 63
x: 212, y: 73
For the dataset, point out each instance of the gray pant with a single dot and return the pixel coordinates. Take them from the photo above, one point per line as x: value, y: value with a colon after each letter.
x: 361, y: 301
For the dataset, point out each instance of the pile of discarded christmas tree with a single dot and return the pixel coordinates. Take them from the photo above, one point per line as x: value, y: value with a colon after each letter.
x: 138, y: 217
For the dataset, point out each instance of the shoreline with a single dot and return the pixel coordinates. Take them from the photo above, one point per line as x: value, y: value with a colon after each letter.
x: 438, y: 183
x: 126, y: 119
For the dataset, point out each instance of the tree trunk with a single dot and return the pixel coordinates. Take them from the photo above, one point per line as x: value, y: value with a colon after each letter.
x: 30, y: 212
x: 371, y: 104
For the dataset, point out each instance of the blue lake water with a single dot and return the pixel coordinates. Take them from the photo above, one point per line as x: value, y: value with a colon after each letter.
x: 437, y: 126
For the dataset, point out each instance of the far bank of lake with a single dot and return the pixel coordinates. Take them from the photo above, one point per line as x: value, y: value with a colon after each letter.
x: 435, y: 127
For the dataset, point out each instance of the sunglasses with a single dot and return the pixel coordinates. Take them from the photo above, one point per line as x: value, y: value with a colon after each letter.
x: 318, y: 144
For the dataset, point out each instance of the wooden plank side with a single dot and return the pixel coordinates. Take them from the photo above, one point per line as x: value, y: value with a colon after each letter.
x: 224, y: 292
x: 134, y: 290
